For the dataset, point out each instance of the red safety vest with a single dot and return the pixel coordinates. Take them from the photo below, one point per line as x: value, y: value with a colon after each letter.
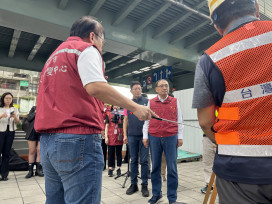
x: 63, y: 105
x: 167, y: 110
x: 244, y: 57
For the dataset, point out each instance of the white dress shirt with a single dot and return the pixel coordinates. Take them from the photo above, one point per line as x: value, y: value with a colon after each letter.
x: 179, y: 117
x: 90, y: 66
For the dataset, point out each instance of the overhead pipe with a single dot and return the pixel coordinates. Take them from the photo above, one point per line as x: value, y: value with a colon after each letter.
x: 187, y: 8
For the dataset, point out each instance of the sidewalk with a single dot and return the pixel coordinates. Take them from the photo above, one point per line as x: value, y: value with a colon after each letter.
x: 18, y: 190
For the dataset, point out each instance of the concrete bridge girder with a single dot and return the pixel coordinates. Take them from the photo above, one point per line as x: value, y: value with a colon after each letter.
x: 46, y: 19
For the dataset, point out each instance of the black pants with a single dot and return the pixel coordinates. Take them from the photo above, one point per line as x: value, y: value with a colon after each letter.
x: 111, y: 155
x: 126, y: 156
x: 6, y: 140
x: 105, y: 150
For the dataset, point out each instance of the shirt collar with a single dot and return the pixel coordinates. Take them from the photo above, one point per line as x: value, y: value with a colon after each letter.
x: 74, y: 38
x: 162, y: 100
x: 240, y: 22
x: 134, y: 99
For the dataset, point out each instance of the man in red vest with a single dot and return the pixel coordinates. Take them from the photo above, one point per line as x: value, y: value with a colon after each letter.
x: 70, y: 115
x: 234, y: 76
x: 165, y: 137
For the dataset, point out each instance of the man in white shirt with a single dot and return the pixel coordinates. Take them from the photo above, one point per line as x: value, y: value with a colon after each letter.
x: 165, y: 137
x: 70, y: 115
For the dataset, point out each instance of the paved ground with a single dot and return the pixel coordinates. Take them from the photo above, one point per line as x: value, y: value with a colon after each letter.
x: 18, y: 190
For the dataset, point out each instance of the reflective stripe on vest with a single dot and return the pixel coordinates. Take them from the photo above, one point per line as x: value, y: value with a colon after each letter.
x: 247, y: 93
x: 242, y: 45
x: 246, y: 150
x: 67, y: 50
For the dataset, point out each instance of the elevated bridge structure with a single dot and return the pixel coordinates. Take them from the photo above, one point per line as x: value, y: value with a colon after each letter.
x: 142, y: 36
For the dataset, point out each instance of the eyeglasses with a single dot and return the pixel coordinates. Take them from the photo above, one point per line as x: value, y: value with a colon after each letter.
x: 136, y: 89
x: 163, y: 85
x: 103, y: 40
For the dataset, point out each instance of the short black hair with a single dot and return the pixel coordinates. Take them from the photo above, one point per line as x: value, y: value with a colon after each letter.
x: 231, y: 10
x: 133, y: 83
x: 3, y: 102
x: 156, y: 85
x: 85, y: 25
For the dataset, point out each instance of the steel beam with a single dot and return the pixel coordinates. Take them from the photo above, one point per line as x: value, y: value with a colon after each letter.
x: 63, y: 4
x: 148, y: 19
x: 135, y: 53
x: 188, y: 31
x: 120, y: 63
x: 14, y: 42
x: 96, y: 7
x: 149, y: 72
x: 187, y: 8
x: 180, y: 18
x: 134, y: 66
x: 125, y: 11
x: 113, y: 59
x: 19, y: 61
x: 115, y: 62
x: 108, y: 56
x: 125, y: 80
x: 200, y: 39
x: 36, y: 48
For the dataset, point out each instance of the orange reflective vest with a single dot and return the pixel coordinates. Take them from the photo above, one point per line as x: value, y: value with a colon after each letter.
x: 244, y: 56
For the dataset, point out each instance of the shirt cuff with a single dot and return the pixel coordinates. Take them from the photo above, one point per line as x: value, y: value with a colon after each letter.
x: 145, y: 136
x: 180, y: 136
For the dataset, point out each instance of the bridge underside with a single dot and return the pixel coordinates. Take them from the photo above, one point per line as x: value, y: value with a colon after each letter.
x: 142, y: 36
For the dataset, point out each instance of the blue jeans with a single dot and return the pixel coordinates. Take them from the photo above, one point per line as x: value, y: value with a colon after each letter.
x: 136, y: 148
x: 168, y: 145
x: 72, y: 166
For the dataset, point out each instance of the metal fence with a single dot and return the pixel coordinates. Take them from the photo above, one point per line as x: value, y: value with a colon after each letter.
x: 266, y: 9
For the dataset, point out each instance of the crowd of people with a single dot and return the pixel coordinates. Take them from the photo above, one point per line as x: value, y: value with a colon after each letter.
x: 232, y: 91
x: 123, y: 127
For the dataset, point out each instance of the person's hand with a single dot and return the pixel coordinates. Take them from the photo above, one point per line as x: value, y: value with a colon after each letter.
x: 144, y: 113
x: 103, y: 134
x: 106, y: 140
x: 180, y: 142
x: 4, y: 115
x: 145, y: 142
x: 125, y: 139
x: 12, y: 115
